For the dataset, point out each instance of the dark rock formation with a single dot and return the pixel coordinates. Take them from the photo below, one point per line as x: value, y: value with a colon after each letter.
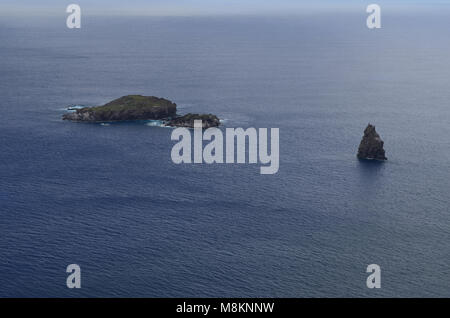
x: 187, y: 120
x: 137, y: 107
x: 131, y: 107
x: 371, y: 146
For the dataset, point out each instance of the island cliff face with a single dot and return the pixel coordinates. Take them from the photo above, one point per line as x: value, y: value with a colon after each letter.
x: 138, y: 107
x: 371, y: 146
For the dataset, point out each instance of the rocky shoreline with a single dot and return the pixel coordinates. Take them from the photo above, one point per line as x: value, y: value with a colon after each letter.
x: 208, y: 120
x: 138, y: 107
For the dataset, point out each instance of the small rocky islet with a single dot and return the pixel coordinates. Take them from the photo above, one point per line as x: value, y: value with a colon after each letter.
x: 138, y: 107
x: 371, y: 146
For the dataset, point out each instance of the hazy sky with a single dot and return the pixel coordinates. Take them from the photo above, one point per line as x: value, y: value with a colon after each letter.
x: 196, y: 7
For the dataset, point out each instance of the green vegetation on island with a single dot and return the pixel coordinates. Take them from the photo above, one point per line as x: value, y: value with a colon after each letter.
x: 130, y: 107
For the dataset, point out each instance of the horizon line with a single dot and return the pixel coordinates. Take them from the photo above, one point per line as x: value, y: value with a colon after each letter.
x: 27, y: 11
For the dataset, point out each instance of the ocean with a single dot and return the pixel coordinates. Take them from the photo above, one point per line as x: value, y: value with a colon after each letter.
x: 110, y: 199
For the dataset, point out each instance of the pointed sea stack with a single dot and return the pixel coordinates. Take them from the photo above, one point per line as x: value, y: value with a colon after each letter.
x: 371, y: 146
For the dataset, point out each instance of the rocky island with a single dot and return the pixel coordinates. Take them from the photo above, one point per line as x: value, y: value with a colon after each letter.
x: 208, y: 120
x: 371, y: 146
x: 138, y: 107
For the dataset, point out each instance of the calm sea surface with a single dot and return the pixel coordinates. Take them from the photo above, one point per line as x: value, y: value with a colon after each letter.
x: 110, y: 199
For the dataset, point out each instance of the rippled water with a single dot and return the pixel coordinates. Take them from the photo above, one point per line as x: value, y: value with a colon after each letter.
x: 110, y: 199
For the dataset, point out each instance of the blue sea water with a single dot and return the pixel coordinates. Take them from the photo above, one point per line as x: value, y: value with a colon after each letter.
x: 109, y: 198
